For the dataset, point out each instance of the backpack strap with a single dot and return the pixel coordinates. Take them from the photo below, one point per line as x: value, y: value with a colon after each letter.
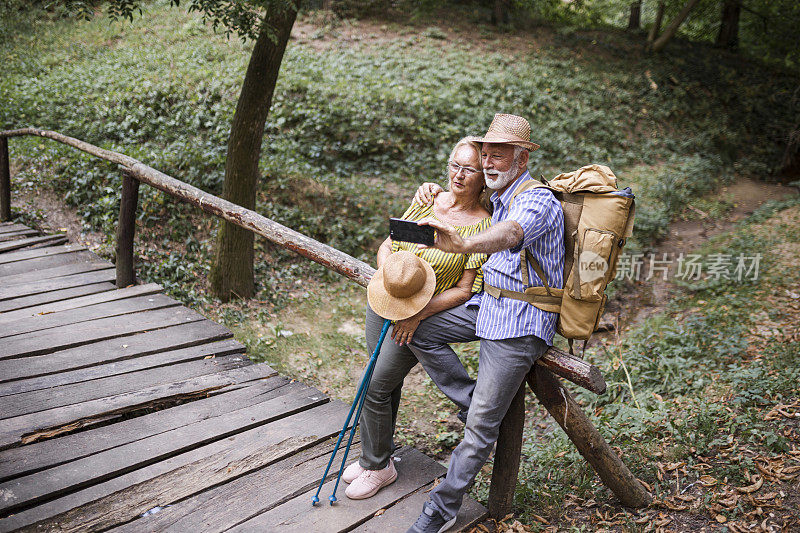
x: 525, y: 255
x: 551, y: 301
x: 525, y: 186
x: 532, y: 295
x: 526, y: 258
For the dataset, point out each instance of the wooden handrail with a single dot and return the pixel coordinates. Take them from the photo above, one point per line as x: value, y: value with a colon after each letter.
x: 329, y: 257
x: 541, y: 379
x: 561, y: 363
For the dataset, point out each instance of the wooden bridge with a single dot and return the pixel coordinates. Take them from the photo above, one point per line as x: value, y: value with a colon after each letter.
x: 124, y: 410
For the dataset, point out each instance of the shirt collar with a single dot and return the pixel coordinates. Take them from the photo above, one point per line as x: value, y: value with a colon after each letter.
x: 505, y: 198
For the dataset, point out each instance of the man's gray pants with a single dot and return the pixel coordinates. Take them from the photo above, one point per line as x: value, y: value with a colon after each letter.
x: 502, y: 366
x: 394, y: 362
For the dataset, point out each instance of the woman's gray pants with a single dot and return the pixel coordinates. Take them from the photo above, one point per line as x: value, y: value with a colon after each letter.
x: 394, y: 362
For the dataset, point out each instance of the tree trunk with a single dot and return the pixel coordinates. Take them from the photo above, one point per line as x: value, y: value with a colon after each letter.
x: 500, y: 12
x: 232, y: 272
x: 635, y: 20
x: 728, y: 36
x: 790, y: 165
x: 672, y: 29
x: 656, y: 28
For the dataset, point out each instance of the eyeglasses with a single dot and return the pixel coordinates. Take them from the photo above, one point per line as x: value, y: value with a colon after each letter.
x: 456, y: 168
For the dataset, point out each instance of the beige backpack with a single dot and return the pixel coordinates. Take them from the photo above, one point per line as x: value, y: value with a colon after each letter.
x: 598, y: 218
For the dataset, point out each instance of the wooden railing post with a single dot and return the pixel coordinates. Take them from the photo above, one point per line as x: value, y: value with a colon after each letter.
x: 591, y: 445
x: 5, y: 181
x: 507, y: 458
x: 126, y: 231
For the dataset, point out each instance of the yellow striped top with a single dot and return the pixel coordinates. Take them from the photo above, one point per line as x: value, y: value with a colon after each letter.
x: 448, y: 267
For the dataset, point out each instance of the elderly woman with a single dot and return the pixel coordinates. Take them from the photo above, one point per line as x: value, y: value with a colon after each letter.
x: 457, y: 277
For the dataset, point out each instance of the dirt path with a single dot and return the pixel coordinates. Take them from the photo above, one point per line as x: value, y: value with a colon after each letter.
x: 639, y: 300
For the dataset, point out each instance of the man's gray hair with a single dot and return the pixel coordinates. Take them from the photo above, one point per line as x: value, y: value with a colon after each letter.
x: 517, y: 151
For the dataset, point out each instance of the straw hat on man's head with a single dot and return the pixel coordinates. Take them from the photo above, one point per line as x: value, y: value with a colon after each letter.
x: 401, y: 287
x: 508, y: 129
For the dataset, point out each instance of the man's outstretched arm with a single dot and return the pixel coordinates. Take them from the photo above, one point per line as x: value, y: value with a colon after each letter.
x: 498, y: 237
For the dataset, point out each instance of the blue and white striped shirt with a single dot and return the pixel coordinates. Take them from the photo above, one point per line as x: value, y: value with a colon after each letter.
x: 539, y: 214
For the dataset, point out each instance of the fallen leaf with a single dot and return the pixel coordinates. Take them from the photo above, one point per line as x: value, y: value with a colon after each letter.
x: 752, y: 488
x: 707, y: 481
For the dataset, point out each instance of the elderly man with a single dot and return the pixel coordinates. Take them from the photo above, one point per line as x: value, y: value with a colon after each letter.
x: 513, y: 333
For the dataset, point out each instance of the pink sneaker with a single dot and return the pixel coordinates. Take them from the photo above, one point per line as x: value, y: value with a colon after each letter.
x: 370, y: 482
x: 352, y: 472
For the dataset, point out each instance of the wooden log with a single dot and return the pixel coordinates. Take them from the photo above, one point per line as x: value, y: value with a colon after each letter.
x: 116, y: 349
x: 35, y: 253
x: 574, y: 369
x: 507, y: 458
x: 5, y: 182
x: 126, y: 231
x: 54, y: 296
x: 567, y: 412
x: 49, y: 240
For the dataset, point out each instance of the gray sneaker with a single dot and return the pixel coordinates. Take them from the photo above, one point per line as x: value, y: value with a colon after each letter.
x: 431, y: 521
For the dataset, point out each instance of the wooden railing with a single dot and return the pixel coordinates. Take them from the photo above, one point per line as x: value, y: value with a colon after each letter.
x: 547, y: 388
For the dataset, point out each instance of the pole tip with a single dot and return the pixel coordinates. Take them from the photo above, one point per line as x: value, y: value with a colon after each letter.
x: 332, y: 499
x: 314, y: 500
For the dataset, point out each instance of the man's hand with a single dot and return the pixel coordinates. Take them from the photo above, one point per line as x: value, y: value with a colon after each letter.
x: 426, y: 193
x: 447, y: 238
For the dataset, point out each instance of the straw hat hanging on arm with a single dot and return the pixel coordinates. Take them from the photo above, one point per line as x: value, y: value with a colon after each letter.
x: 401, y: 287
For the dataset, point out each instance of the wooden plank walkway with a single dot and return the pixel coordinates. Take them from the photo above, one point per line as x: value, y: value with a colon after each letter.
x: 122, y: 410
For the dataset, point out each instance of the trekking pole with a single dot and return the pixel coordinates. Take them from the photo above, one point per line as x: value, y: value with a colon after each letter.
x: 358, y: 403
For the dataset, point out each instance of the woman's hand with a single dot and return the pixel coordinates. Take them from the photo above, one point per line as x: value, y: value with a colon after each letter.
x: 403, y: 330
x: 426, y: 193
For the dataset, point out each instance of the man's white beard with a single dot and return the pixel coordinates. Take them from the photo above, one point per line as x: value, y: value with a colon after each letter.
x: 497, y: 180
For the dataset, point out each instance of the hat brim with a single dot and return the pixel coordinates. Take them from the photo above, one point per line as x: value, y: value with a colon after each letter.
x: 391, y: 308
x: 495, y: 138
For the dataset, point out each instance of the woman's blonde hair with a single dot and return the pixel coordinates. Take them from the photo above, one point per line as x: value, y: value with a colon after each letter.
x: 485, y: 193
x: 466, y: 142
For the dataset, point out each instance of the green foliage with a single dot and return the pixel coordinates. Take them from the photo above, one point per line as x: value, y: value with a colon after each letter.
x: 353, y: 130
